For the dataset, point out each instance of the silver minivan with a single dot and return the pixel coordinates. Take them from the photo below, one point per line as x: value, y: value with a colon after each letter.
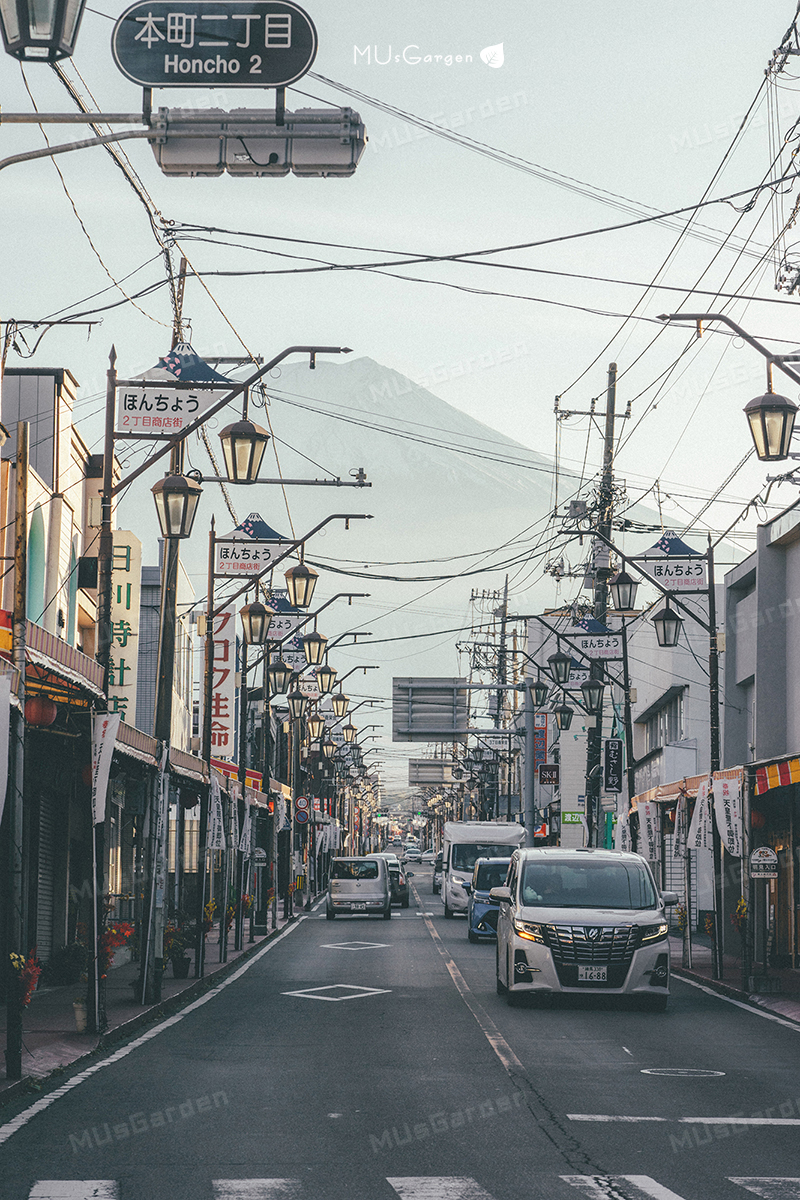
x: 578, y: 921
x: 359, y: 885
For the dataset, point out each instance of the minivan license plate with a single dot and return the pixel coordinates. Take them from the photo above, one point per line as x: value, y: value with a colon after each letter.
x: 592, y: 974
x: 356, y: 907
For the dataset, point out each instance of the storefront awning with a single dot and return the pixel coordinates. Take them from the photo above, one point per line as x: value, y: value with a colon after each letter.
x: 777, y: 774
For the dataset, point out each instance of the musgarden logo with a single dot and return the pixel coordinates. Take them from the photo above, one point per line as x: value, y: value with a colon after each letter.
x: 413, y: 55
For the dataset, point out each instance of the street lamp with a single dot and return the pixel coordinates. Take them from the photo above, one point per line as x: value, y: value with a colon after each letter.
x: 326, y: 678
x: 300, y: 582
x: 593, y: 694
x: 176, y: 498
x: 279, y: 674
x: 560, y: 664
x: 668, y: 626
x: 43, y: 32
x: 314, y: 648
x: 297, y: 703
x: 328, y: 748
x: 256, y: 618
x: 771, y: 418
x: 539, y: 692
x: 563, y: 715
x: 340, y: 704
x: 315, y: 724
x: 476, y: 753
x: 623, y: 588
x: 349, y: 732
x: 243, y: 445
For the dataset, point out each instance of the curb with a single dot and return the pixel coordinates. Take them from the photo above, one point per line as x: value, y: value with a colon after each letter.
x: 732, y: 993
x: 31, y: 1085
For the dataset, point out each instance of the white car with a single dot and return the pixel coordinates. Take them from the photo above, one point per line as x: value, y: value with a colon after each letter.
x: 413, y: 854
x: 428, y: 856
x: 582, y: 921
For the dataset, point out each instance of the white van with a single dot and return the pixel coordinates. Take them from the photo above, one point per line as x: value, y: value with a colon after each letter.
x: 463, y: 844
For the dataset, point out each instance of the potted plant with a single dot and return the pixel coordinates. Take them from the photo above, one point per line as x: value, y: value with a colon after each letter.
x: 179, y: 938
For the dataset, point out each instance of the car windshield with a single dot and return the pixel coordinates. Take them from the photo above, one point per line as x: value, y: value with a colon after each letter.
x: 491, y: 875
x: 587, y: 885
x: 354, y: 870
x: 466, y: 855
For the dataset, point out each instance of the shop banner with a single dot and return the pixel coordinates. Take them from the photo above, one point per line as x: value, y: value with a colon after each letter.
x: 679, y: 842
x: 728, y: 810
x: 699, y: 837
x: 104, y: 735
x: 649, y: 845
x: 247, y: 830
x: 622, y: 832
x: 216, y: 840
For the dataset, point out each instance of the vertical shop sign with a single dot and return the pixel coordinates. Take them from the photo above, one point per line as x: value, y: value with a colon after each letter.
x: 126, y: 591
x: 223, y: 695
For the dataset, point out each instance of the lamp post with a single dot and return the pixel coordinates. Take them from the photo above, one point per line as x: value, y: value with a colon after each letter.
x: 35, y: 32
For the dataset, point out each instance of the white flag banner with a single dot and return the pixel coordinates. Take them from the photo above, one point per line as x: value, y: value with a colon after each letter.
x: 649, y: 845
x: 622, y: 832
x: 699, y: 837
x: 234, y: 830
x: 728, y: 810
x: 679, y: 847
x: 104, y: 735
x: 247, y: 828
x: 216, y: 840
x: 5, y: 718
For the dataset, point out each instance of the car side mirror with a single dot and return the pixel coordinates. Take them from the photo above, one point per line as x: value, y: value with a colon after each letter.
x: 409, y: 874
x: 501, y: 894
x: 669, y: 898
x: 467, y: 887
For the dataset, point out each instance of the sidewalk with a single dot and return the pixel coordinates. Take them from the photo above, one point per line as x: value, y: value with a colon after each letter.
x: 784, y: 1003
x: 50, y: 1040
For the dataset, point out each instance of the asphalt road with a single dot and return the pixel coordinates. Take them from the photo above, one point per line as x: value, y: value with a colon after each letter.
x: 363, y: 1059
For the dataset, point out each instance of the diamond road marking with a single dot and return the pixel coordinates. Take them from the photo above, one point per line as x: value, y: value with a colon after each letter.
x: 355, y: 945
x: 349, y: 992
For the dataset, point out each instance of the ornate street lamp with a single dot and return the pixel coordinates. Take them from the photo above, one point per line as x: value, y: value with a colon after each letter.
x: 563, y: 715
x: 593, y: 694
x: 340, y: 704
x: 560, y: 664
x: 297, y: 702
x: 176, y: 498
x: 326, y: 678
x: 328, y: 748
x: 314, y: 647
x: 771, y: 418
x: 539, y: 692
x: 349, y: 732
x: 315, y: 724
x: 668, y: 626
x: 301, y: 581
x: 243, y: 445
x: 256, y: 618
x: 623, y: 588
x: 42, y: 32
x: 279, y: 675
x: 476, y: 753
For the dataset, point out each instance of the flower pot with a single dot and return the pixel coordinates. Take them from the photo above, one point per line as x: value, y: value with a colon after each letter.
x: 80, y: 1015
x: 180, y: 967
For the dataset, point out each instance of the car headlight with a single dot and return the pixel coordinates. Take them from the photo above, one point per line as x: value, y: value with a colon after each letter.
x: 529, y: 931
x: 654, y: 933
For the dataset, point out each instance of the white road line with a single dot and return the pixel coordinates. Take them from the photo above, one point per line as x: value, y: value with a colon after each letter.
x: 602, y: 1187
x: 608, y: 1117
x: 20, y: 1121
x: 74, y: 1189
x: 256, y: 1189
x: 739, y: 1120
x: 627, y: 1051
x: 771, y: 1188
x: 433, y: 1187
x: 758, y: 1012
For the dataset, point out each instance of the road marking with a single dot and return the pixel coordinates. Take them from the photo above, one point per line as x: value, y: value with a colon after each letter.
x: 739, y: 1120
x: 355, y: 945
x: 771, y: 1188
x: 74, y: 1189
x: 603, y: 1187
x: 350, y: 992
x: 627, y: 1051
x: 22, y: 1119
x: 437, y: 1187
x: 681, y: 1072
x: 758, y: 1012
x: 607, y: 1117
x: 256, y: 1189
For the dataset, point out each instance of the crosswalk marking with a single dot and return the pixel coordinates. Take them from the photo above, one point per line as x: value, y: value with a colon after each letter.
x: 437, y: 1187
x: 257, y: 1189
x: 602, y: 1187
x: 770, y: 1188
x: 74, y: 1189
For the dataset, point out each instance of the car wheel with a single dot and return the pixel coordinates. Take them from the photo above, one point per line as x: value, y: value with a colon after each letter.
x: 405, y: 903
x: 329, y: 914
x: 448, y: 912
x: 387, y: 916
x: 473, y: 937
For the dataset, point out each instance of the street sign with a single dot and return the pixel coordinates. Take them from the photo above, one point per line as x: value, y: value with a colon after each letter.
x: 608, y: 804
x: 613, y: 765
x: 153, y: 409
x: 214, y: 43
x: 571, y: 818
x: 495, y: 740
x: 594, y: 644
x: 301, y: 816
x: 763, y: 863
x: 301, y: 802
x: 549, y: 774
x: 673, y: 564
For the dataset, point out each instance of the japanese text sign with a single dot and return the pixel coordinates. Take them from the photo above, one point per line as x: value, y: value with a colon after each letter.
x: 153, y: 410
x: 126, y: 590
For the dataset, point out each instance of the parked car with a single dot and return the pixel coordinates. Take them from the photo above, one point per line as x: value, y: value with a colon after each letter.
x: 358, y: 885
x: 582, y: 921
x: 398, y: 878
x: 438, y: 871
x: 482, y: 911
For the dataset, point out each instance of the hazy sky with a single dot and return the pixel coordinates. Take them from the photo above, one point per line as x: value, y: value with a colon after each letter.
x: 607, y: 111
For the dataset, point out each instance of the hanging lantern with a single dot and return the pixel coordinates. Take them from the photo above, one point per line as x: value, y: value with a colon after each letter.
x: 297, y: 702
x: 771, y: 418
x: 256, y: 618
x: 593, y: 694
x: 539, y: 692
x: 315, y: 726
x: 668, y: 626
x: 40, y: 711
x: 243, y: 445
x: 340, y: 704
x: 563, y: 715
x: 176, y: 498
x: 36, y: 32
x: 328, y: 748
x: 279, y: 676
x: 623, y: 588
x: 326, y: 678
x: 314, y: 648
x: 560, y: 665
x: 300, y: 582
x: 349, y: 732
